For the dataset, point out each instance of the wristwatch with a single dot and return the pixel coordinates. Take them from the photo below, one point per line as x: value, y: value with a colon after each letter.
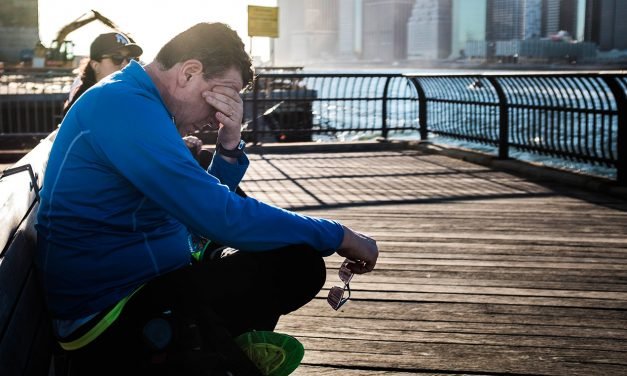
x: 233, y: 153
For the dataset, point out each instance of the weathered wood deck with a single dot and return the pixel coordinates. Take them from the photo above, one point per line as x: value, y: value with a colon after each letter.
x: 480, y: 271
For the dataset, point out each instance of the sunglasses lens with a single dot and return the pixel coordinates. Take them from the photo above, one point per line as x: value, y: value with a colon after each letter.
x: 119, y: 59
x: 345, y: 273
x: 335, y: 297
x: 336, y: 294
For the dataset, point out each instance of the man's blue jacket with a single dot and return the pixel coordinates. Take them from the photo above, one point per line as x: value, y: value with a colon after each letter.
x: 122, y: 193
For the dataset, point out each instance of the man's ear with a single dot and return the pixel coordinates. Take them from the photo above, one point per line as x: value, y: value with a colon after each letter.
x: 190, y: 69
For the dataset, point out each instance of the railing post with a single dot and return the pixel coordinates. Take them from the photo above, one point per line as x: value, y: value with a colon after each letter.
x: 621, y: 136
x: 384, y: 110
x: 422, y: 110
x: 503, y: 119
x: 255, y: 136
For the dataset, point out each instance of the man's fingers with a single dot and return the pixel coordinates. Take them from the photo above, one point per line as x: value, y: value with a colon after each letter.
x: 360, y: 267
x: 226, y: 107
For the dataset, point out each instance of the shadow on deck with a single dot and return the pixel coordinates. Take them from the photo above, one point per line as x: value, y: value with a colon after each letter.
x: 481, y: 271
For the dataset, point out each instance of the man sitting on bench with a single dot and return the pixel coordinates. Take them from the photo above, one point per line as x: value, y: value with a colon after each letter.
x: 127, y: 217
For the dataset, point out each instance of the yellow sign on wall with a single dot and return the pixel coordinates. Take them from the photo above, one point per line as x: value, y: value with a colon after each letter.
x: 263, y: 21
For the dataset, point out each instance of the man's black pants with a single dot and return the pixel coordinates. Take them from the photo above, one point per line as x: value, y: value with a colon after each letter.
x: 246, y: 291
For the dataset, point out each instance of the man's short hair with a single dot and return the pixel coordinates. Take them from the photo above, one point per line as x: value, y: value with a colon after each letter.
x: 215, y: 45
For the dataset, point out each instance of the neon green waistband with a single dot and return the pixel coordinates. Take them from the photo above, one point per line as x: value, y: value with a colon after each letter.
x: 100, y: 326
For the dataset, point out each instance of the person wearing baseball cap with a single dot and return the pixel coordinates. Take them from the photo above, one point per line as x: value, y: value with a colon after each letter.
x: 108, y: 53
x: 114, y: 46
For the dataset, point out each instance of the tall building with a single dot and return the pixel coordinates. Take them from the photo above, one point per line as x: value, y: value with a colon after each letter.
x: 605, y: 24
x: 290, y: 45
x: 504, y: 20
x: 559, y: 15
x: 513, y: 19
x: 308, y: 31
x: 321, y: 24
x: 551, y: 20
x: 349, y: 29
x: 385, y: 29
x: 532, y: 19
x: 429, y: 30
x: 468, y: 24
x: 569, y: 11
x: 19, y: 27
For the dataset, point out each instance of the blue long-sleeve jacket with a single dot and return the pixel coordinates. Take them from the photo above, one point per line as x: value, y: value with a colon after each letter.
x: 121, y: 194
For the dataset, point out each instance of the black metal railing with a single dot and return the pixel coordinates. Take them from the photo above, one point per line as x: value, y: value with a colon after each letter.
x: 304, y: 107
x: 30, y: 108
x: 572, y: 116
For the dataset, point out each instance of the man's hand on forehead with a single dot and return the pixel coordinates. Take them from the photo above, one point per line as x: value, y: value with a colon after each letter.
x: 229, y: 107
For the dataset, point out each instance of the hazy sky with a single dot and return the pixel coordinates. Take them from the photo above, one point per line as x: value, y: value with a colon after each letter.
x: 150, y: 22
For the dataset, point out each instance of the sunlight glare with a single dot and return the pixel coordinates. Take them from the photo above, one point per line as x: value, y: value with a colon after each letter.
x: 150, y: 23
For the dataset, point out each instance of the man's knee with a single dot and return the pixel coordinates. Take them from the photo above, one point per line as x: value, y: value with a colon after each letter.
x: 307, y: 269
x: 318, y: 270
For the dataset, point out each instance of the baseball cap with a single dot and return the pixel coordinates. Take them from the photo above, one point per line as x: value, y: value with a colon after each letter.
x: 108, y: 43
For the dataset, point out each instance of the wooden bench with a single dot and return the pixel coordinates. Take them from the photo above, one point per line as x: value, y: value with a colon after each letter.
x: 27, y: 346
x: 26, y: 342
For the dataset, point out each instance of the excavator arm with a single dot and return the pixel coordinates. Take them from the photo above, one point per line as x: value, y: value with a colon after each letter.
x: 60, y: 51
x: 84, y: 20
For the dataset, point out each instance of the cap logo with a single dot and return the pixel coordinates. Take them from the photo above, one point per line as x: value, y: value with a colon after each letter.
x: 121, y: 39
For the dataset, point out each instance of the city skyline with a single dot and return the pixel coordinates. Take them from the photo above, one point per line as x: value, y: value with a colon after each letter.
x: 394, y: 31
x: 369, y: 31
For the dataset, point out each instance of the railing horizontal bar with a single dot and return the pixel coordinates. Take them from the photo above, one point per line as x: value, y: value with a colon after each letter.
x: 564, y: 109
x: 461, y: 101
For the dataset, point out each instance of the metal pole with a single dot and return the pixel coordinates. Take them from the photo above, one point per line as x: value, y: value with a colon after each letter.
x: 384, y: 110
x: 503, y: 119
x: 621, y: 138
x: 422, y: 110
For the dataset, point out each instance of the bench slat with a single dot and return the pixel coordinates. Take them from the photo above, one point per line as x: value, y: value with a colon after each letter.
x: 25, y: 327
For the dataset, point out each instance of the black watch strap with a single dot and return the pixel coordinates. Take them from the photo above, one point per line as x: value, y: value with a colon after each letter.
x: 233, y: 153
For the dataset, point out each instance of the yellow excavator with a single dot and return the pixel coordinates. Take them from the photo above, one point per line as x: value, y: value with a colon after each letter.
x: 61, y: 51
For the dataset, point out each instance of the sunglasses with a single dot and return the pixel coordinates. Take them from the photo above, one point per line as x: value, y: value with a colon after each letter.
x: 336, y: 297
x: 119, y: 59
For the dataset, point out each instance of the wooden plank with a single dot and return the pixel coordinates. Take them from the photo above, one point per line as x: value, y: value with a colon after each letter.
x: 306, y: 370
x: 459, y: 358
x: 366, y: 329
x: 468, y: 312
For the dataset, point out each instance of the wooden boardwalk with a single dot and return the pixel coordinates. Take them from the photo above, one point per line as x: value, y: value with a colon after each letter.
x: 480, y: 272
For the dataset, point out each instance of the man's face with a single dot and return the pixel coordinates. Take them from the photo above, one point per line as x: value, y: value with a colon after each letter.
x: 195, y: 112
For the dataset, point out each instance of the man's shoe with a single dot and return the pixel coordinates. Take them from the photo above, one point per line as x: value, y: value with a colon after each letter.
x: 274, y: 354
